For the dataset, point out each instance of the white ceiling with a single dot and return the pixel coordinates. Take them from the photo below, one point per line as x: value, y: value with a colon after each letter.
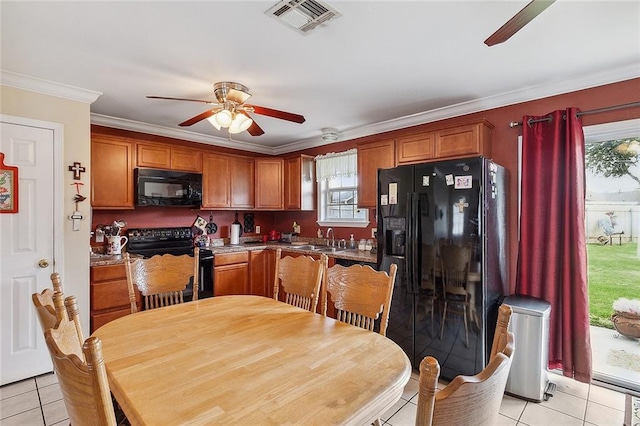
x: 381, y: 65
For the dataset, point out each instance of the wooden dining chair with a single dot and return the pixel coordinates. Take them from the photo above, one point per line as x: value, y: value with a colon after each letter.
x: 466, y: 400
x: 300, y: 278
x: 82, y: 378
x: 501, y: 333
x: 454, y: 261
x: 360, y: 294
x: 162, y: 279
x: 43, y: 303
x: 470, y: 386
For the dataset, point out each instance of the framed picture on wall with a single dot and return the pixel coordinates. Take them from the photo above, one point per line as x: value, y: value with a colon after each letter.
x: 8, y: 187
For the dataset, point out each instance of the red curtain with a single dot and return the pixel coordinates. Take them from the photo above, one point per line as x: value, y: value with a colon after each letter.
x: 552, y: 261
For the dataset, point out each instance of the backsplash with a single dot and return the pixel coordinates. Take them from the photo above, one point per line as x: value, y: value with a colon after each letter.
x: 162, y: 217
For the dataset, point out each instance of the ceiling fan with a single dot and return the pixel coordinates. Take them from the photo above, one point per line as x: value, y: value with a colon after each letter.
x: 231, y: 112
x: 519, y: 20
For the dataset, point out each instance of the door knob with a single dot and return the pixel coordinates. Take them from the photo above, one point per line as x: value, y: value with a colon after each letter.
x: 44, y: 263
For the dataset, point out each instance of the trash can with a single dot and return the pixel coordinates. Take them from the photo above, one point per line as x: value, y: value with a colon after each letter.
x: 528, y: 377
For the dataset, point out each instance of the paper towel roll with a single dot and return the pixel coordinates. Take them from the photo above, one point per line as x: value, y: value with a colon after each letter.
x: 235, y: 233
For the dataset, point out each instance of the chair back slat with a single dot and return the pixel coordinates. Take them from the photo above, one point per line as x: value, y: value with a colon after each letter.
x: 162, y: 279
x: 361, y: 294
x: 300, y: 279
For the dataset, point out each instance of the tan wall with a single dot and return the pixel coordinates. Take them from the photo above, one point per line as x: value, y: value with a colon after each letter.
x: 75, y: 117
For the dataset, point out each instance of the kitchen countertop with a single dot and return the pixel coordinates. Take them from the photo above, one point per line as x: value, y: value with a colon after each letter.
x: 356, y: 255
x: 108, y: 259
x: 360, y: 256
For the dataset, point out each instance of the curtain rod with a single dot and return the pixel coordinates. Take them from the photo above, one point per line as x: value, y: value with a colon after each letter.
x: 593, y: 111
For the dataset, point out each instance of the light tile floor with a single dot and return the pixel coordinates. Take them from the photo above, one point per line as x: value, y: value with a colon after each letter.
x: 38, y: 401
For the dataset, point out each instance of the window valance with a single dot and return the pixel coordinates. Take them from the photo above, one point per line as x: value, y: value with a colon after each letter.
x: 335, y: 164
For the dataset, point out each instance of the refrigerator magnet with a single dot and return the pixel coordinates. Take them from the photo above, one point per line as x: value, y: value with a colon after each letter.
x: 449, y: 179
x: 384, y: 199
x: 425, y: 180
x: 463, y: 182
x: 393, y: 193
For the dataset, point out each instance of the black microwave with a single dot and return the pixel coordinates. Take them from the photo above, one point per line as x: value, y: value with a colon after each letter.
x: 168, y: 188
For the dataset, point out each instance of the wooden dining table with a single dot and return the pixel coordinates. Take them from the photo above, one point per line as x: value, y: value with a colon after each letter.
x: 249, y: 360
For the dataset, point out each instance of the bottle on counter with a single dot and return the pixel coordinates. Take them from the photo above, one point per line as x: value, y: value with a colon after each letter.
x: 352, y: 243
x: 368, y: 245
x: 362, y: 245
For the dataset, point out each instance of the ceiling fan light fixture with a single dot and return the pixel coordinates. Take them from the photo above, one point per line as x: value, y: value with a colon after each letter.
x: 240, y: 123
x: 223, y: 118
x: 213, y: 122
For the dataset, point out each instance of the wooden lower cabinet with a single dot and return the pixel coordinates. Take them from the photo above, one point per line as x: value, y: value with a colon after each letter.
x: 231, y: 273
x: 109, y: 295
x: 261, y: 266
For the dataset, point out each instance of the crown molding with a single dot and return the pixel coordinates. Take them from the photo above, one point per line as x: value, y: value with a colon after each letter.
x: 137, y: 126
x: 46, y: 87
x: 496, y: 101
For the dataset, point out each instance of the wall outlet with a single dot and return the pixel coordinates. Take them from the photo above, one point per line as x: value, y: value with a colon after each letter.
x: 373, y: 232
x: 257, y: 229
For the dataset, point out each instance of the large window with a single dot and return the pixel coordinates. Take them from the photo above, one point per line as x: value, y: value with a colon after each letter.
x: 337, y: 177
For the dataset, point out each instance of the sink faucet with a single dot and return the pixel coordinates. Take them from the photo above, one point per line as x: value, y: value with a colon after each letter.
x: 333, y: 237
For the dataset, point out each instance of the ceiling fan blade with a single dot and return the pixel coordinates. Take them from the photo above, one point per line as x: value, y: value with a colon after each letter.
x: 237, y: 96
x: 197, y: 118
x: 296, y: 118
x: 520, y: 19
x: 181, y: 99
x: 254, y: 129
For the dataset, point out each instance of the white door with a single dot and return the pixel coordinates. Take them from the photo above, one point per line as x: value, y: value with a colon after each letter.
x: 26, y: 251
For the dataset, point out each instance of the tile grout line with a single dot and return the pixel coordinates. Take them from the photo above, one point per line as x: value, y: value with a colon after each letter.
x: 44, y: 421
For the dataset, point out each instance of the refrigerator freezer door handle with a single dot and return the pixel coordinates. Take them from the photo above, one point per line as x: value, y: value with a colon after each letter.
x: 415, y: 243
x: 409, y: 270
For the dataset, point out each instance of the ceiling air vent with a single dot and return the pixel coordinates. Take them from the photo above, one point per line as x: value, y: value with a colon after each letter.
x: 302, y: 15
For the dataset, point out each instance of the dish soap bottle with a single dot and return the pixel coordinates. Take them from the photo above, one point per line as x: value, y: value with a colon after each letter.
x: 352, y: 243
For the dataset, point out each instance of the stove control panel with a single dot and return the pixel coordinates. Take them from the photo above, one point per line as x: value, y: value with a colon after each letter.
x: 159, y: 234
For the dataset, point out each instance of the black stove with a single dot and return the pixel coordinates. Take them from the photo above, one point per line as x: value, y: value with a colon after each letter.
x: 148, y: 242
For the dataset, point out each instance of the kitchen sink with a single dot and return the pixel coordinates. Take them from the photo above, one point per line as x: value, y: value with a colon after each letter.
x: 322, y: 249
x: 305, y: 247
x: 328, y: 249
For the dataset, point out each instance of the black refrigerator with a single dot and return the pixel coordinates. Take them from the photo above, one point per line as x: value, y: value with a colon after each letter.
x: 458, y: 202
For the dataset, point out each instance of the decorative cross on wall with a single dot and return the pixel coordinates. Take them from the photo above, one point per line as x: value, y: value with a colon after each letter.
x: 77, y: 168
x: 461, y: 205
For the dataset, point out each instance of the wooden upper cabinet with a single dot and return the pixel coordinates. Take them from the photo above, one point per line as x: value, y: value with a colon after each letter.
x: 371, y: 157
x: 241, y: 178
x: 462, y: 141
x: 216, y: 184
x: 112, y: 172
x: 188, y: 160
x: 415, y: 148
x: 269, y: 183
x: 299, y: 178
x: 153, y: 156
x: 164, y: 157
x: 227, y: 182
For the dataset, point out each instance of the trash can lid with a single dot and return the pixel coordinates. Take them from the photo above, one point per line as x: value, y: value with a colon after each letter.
x: 528, y: 305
